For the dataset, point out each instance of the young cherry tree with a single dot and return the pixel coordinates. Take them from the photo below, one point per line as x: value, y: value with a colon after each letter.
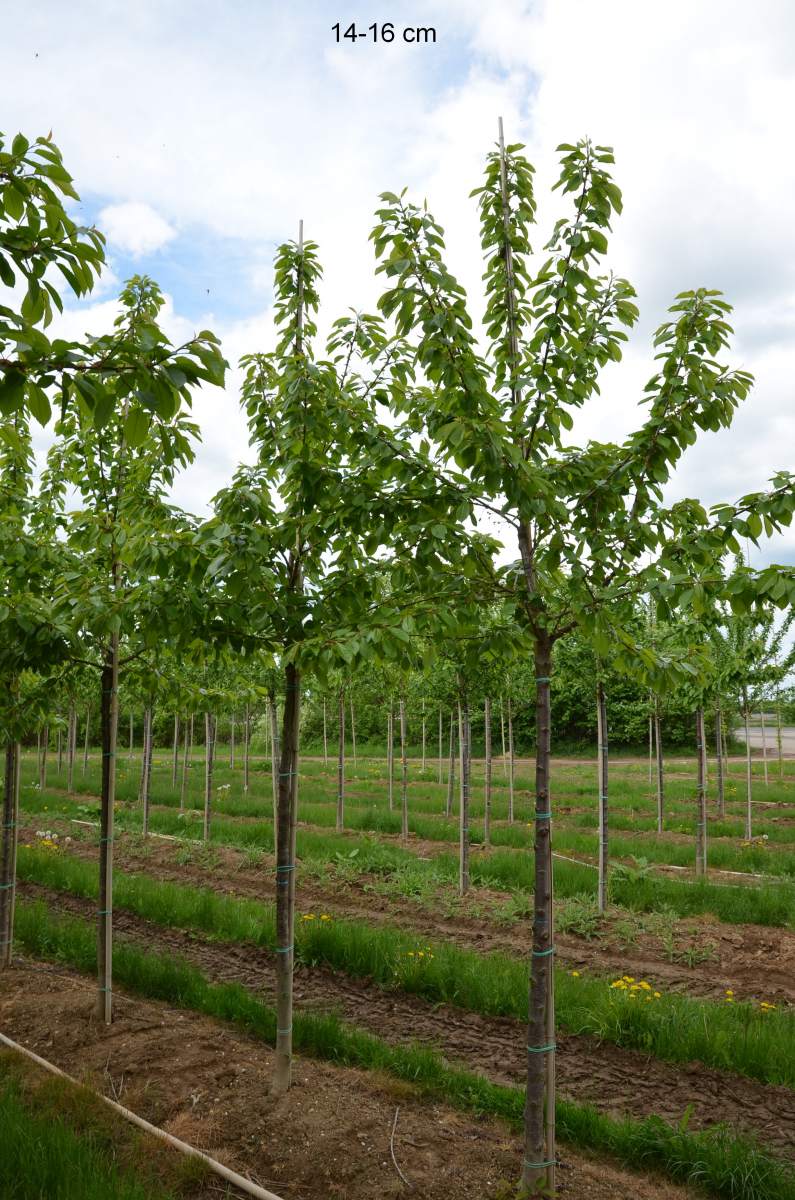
x: 38, y: 242
x: 292, y: 545
x: 589, y: 523
x: 120, y: 440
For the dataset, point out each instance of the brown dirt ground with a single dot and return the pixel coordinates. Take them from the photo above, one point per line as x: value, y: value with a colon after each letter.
x: 329, y: 1137
x: 615, y: 1080
x: 739, y: 956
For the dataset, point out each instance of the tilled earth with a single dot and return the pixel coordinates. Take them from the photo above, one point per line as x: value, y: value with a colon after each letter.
x: 329, y: 1137
x: 615, y: 1080
x: 756, y: 961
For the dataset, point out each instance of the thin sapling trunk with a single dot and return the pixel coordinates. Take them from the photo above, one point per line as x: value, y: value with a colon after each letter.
x: 603, y: 762
x: 487, y: 775
x: 404, y: 771
x: 701, y: 798
x: 341, y: 763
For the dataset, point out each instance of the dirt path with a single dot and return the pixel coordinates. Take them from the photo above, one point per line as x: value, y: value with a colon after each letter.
x: 207, y: 1084
x: 731, y: 956
x: 615, y: 1080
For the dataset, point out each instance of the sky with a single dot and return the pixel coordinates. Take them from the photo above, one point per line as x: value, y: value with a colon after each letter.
x: 199, y: 132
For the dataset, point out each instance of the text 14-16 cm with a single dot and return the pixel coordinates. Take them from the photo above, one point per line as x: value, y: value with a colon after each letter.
x: 416, y: 34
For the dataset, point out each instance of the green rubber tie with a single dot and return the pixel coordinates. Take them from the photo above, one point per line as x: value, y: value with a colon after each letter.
x: 104, y: 912
x: 542, y: 1049
x: 542, y: 816
x: 543, y: 679
x: 284, y: 774
x: 284, y: 949
x: 9, y: 824
x: 543, y: 953
x: 3, y: 886
x: 105, y: 839
x: 548, y: 1162
x: 284, y: 1032
x: 289, y: 867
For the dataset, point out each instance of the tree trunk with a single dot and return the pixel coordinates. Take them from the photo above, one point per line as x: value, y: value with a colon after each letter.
x: 59, y: 746
x: 132, y: 735
x: 274, y: 759
x: 210, y: 726
x: 463, y: 816
x: 511, y: 762
x: 325, y: 736
x: 778, y: 739
x: 71, y: 739
x: 603, y: 762
x: 423, y: 736
x: 440, y: 747
x: 45, y: 741
x: 146, y: 769
x: 487, y: 775
x: 651, y: 748
x: 88, y: 735
x: 450, y: 772
x: 701, y: 798
x: 232, y: 744
x: 285, y: 881
x: 341, y: 763
x: 404, y: 772
x: 353, y: 734
x: 175, y: 756
x: 8, y: 850
x: 185, y: 761
x: 246, y: 747
x: 109, y: 722
x: 539, y: 1117
x: 660, y: 772
x: 719, y: 761
x: 390, y: 759
x: 748, y: 772
x: 502, y: 735
x: 764, y: 740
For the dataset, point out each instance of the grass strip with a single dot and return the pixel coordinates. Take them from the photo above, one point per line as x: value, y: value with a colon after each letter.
x: 60, y: 1142
x: 738, y: 1037
x: 724, y: 1164
x: 770, y: 903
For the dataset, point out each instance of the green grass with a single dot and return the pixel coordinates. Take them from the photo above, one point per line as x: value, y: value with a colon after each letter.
x: 767, y: 903
x: 724, y: 1164
x: 59, y: 1142
x: 737, y: 1037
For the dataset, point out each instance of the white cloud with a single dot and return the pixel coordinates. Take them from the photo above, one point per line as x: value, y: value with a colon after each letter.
x: 248, y: 122
x: 135, y: 228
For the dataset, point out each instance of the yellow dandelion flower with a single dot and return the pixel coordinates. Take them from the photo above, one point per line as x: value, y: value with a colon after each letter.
x: 629, y: 978
x: 308, y: 917
x: 646, y: 986
x: 657, y: 995
x: 325, y: 917
x: 729, y: 992
x: 575, y: 974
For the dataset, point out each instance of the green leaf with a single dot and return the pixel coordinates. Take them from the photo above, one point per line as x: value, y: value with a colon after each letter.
x: 12, y: 391
x: 38, y: 403
x: 6, y: 272
x: 136, y: 427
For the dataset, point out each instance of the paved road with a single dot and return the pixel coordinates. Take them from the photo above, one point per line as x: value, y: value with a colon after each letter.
x: 755, y: 732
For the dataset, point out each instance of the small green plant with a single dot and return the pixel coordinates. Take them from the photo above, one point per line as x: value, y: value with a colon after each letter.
x: 579, y: 915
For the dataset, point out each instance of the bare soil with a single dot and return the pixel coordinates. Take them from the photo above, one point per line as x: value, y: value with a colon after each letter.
x: 740, y: 957
x: 617, y: 1081
x: 329, y: 1137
